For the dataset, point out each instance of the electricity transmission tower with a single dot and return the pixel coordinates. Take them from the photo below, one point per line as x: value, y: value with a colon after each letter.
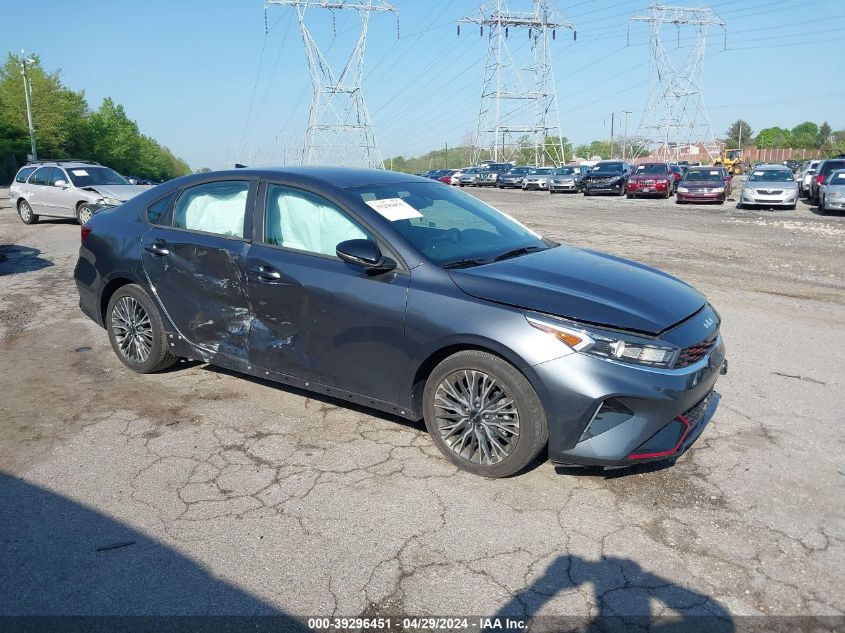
x: 675, y: 115
x: 339, y: 128
x: 519, y: 110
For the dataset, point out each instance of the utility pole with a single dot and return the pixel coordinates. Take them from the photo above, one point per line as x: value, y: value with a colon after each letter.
x: 675, y: 114
x: 339, y: 128
x: 612, y: 122
x: 27, y: 89
x: 625, y: 135
x: 518, y: 108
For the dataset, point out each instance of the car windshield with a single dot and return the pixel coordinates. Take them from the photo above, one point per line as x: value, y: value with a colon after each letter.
x: 771, y: 175
x: 518, y: 170
x: 543, y: 171
x: 709, y: 175
x: 449, y: 227
x: 651, y: 169
x: 565, y: 171
x: 612, y: 167
x: 92, y: 176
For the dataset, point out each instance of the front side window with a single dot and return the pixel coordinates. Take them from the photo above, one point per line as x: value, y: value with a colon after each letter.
x: 89, y: 176
x: 56, y: 174
x: 215, y: 207
x: 24, y: 173
x: 447, y: 226
x: 306, y: 222
x: 41, y: 176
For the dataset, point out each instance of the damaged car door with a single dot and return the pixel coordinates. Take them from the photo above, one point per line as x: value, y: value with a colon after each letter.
x: 316, y: 317
x: 194, y: 262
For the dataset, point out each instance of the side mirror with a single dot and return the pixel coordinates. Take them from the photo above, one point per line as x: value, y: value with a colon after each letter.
x: 365, y: 253
x: 60, y: 183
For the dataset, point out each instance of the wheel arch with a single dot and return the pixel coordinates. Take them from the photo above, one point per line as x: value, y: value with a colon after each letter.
x: 113, y: 285
x: 447, y: 349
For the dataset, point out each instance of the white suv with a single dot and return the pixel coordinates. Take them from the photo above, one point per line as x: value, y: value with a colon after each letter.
x: 67, y: 189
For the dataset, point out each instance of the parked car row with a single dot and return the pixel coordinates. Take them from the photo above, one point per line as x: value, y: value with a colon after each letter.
x: 820, y: 181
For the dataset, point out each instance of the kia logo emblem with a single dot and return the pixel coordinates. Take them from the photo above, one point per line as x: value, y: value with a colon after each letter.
x: 708, y: 322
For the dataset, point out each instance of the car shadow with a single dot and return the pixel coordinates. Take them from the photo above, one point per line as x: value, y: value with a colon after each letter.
x: 624, y: 594
x: 61, y: 558
x: 15, y: 259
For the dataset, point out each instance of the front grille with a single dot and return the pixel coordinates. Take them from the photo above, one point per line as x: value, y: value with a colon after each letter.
x: 769, y: 192
x: 647, y: 183
x: 694, y: 353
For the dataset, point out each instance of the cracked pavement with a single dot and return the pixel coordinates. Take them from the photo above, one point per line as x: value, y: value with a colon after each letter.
x: 310, y: 507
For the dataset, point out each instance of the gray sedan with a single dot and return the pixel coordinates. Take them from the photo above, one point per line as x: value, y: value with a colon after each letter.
x: 770, y: 186
x: 832, y: 196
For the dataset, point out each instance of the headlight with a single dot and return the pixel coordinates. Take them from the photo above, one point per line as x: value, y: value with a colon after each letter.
x: 746, y: 191
x: 607, y: 344
x: 112, y: 202
x: 837, y: 194
x: 683, y: 190
x: 718, y: 189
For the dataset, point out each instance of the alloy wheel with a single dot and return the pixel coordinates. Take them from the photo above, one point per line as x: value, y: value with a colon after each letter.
x: 476, y: 417
x: 26, y: 211
x: 133, y: 330
x: 84, y: 214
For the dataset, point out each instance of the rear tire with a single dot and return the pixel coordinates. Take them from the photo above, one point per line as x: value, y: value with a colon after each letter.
x: 25, y: 213
x: 499, y: 445
x: 136, y: 331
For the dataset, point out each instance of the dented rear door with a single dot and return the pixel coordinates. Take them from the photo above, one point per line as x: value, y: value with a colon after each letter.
x: 195, y: 267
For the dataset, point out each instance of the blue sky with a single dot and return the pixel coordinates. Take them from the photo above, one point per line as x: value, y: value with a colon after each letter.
x: 202, y: 78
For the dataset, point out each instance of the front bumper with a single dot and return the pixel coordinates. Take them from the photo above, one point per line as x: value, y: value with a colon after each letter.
x: 535, y: 185
x: 831, y: 204
x: 657, y: 189
x: 756, y: 199
x: 559, y: 186
x: 502, y: 183
x: 696, y: 196
x: 615, y: 187
x: 611, y: 414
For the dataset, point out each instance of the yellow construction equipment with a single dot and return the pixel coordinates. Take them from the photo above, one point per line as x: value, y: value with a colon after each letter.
x: 731, y: 159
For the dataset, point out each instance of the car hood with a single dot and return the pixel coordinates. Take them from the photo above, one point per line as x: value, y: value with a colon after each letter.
x: 586, y: 286
x: 604, y: 174
x: 771, y: 184
x: 697, y: 184
x: 650, y: 177
x: 120, y: 192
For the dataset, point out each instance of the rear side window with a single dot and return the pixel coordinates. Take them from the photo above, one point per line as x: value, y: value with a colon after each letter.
x: 24, y: 173
x: 157, y: 209
x: 306, y: 222
x: 216, y: 207
x: 40, y: 176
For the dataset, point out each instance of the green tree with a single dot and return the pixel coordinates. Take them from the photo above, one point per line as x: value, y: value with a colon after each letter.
x: 805, y: 135
x: 824, y: 136
x: 739, y: 133
x: 774, y: 137
x: 58, y: 113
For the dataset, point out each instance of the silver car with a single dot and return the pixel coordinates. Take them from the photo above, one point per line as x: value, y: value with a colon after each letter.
x: 566, y: 179
x: 68, y: 189
x: 805, y: 177
x: 832, y: 193
x: 537, y: 178
x: 769, y: 186
x: 470, y: 177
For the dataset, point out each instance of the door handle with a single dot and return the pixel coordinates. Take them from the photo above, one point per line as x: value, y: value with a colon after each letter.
x: 266, y: 273
x: 157, y: 250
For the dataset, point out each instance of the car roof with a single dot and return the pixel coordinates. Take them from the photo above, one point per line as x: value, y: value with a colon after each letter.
x: 339, y: 177
x: 771, y: 166
x: 73, y: 164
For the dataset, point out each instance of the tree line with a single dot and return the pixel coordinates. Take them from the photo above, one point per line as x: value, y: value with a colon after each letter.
x: 806, y: 135
x: 65, y: 127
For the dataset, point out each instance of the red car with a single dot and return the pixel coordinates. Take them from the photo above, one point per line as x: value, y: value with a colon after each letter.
x: 704, y: 184
x: 446, y: 176
x: 651, y: 179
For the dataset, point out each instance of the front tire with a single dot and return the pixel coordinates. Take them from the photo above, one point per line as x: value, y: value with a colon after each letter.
x: 84, y: 213
x: 483, y: 414
x: 26, y: 214
x: 136, y: 331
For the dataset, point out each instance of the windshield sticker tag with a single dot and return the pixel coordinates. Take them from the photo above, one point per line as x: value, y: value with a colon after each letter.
x: 394, y: 209
x: 79, y: 172
x: 714, y: 172
x: 758, y: 173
